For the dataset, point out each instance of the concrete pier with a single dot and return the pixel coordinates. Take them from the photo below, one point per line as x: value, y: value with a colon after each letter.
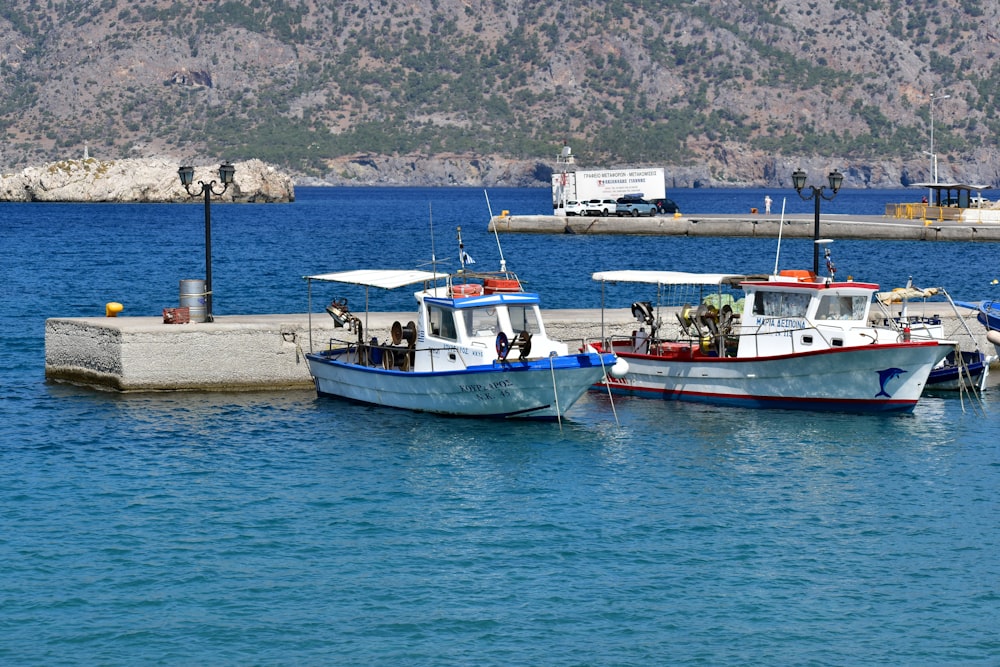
x: 144, y: 354
x: 873, y: 227
x: 267, y: 352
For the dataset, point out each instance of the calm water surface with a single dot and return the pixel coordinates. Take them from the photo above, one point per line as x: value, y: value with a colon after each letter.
x: 276, y: 528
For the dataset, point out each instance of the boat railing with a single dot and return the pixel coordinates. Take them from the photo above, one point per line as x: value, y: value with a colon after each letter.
x: 372, y: 354
x: 386, y: 356
x: 718, y: 345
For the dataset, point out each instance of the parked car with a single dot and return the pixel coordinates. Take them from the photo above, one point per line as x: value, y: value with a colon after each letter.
x: 634, y: 207
x: 599, y: 207
x: 573, y: 208
x: 666, y: 206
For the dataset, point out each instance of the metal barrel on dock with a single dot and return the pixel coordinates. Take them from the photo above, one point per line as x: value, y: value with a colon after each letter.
x: 193, y: 296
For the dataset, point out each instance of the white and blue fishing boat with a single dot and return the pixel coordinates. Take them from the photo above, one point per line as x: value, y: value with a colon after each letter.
x: 477, y: 347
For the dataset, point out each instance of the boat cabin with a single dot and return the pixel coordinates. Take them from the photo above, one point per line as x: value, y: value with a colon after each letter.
x: 463, y: 331
x: 789, y: 314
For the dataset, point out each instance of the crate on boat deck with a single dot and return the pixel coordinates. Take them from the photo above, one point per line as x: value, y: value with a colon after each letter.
x: 673, y: 350
x: 180, y: 315
x: 500, y: 285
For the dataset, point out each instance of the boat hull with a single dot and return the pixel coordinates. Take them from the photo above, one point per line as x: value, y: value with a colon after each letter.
x: 971, y: 373
x: 533, y: 389
x: 872, y: 378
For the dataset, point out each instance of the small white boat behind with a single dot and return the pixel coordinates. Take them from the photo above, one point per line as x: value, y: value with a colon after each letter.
x: 477, y: 347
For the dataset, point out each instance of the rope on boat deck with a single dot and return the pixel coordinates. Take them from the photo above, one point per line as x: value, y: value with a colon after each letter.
x: 607, y: 385
x: 555, y: 392
x: 974, y: 391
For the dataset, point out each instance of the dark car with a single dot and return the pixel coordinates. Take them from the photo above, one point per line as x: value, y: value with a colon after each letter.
x: 666, y: 206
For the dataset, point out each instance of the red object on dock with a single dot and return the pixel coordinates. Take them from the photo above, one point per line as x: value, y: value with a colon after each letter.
x: 180, y: 315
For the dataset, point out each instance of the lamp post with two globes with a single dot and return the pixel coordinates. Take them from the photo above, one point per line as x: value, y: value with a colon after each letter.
x: 226, y: 171
x: 836, y: 179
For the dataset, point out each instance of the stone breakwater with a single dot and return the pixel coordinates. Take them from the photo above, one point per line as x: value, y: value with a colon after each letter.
x: 139, y: 181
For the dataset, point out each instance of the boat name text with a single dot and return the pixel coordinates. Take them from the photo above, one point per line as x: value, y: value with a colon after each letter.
x: 784, y: 325
x: 491, y: 386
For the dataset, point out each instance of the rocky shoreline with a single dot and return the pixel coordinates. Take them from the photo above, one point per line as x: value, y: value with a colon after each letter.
x: 155, y: 179
x: 464, y: 170
x: 140, y: 181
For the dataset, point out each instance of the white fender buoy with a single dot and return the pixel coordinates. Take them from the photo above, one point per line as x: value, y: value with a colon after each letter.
x: 993, y: 336
x: 620, y: 369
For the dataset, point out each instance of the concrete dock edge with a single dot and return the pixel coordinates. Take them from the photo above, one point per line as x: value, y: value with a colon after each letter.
x: 862, y: 227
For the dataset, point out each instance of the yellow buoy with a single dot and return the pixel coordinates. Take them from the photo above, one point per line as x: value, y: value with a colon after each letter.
x: 112, y: 308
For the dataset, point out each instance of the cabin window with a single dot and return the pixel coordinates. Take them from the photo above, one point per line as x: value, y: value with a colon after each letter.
x: 522, y: 318
x: 481, y: 321
x: 780, y: 304
x: 839, y: 307
x: 442, y: 324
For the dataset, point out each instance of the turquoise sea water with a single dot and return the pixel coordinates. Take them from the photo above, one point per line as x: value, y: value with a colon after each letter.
x: 277, y: 528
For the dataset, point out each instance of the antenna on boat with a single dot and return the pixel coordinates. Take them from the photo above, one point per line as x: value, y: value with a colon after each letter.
x: 830, y: 267
x: 781, y: 226
x: 503, y: 262
x: 430, y: 216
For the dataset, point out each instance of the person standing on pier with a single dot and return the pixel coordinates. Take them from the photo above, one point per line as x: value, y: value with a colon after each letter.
x: 767, y: 204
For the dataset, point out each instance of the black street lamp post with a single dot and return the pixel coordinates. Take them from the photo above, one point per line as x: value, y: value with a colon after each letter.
x: 799, y: 182
x: 186, y: 174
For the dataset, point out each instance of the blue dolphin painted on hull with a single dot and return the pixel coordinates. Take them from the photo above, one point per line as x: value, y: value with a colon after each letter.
x: 883, y: 378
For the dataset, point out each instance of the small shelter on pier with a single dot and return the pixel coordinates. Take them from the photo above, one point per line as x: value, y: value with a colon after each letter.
x: 955, y: 195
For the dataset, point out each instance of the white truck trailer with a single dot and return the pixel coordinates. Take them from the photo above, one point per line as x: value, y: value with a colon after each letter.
x: 647, y: 183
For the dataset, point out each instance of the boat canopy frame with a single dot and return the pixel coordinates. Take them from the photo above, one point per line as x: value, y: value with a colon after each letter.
x: 668, y: 280
x: 386, y: 279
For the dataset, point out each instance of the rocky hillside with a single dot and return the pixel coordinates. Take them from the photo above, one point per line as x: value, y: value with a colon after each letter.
x: 720, y: 92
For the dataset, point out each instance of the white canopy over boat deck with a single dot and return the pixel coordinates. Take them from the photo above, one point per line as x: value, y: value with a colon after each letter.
x: 384, y: 278
x: 668, y: 277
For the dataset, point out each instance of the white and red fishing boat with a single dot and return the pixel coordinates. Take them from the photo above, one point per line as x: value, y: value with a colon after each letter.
x: 791, y: 340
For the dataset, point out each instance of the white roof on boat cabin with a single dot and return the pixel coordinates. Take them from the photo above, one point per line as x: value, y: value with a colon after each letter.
x: 667, y: 277
x: 384, y: 278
